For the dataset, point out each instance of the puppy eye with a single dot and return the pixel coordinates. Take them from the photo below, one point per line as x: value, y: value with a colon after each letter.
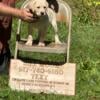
x: 38, y: 7
x: 44, y: 7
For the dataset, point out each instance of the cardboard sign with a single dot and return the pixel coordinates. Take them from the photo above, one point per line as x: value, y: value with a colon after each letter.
x: 37, y: 78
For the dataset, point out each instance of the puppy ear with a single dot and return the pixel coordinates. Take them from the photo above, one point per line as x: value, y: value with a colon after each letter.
x: 47, y: 5
x: 31, y: 5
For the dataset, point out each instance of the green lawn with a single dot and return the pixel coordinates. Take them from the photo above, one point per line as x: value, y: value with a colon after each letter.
x: 85, y: 52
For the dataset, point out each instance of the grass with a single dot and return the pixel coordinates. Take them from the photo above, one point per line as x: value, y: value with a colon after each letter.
x: 85, y: 52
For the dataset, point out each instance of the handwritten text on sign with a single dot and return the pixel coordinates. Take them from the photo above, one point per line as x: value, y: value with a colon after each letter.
x: 38, y: 78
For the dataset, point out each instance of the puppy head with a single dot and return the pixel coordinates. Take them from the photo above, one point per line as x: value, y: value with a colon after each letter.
x: 38, y: 7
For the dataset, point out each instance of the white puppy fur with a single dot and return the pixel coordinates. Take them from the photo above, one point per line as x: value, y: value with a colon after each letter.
x: 39, y: 10
x: 45, y: 16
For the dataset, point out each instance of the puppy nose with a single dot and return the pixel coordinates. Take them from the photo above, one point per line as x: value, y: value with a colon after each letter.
x: 42, y: 13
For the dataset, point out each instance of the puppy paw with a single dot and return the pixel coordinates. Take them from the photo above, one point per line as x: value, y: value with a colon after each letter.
x: 29, y: 40
x: 41, y: 44
x: 58, y: 42
x: 29, y: 43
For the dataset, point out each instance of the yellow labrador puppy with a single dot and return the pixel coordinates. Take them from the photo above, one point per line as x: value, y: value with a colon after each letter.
x: 38, y: 8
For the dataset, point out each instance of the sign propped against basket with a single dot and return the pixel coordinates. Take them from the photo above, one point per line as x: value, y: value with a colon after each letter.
x: 37, y: 78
